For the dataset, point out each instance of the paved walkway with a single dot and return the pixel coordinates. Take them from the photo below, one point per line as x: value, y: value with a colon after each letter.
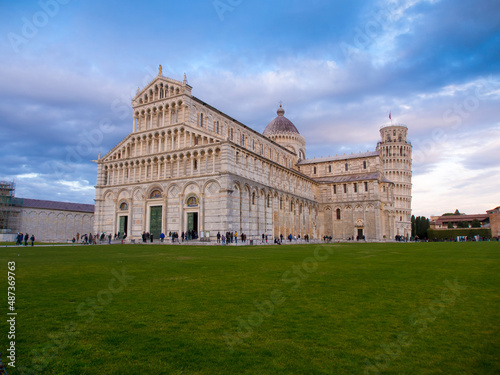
x: 190, y: 243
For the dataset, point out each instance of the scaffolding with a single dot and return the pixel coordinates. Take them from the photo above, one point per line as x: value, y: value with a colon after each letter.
x: 10, y: 208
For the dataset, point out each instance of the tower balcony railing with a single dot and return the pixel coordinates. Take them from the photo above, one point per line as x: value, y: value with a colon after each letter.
x: 396, y: 124
x: 394, y: 141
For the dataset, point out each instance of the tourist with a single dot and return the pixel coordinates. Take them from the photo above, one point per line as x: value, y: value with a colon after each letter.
x: 26, y: 238
x: 32, y: 239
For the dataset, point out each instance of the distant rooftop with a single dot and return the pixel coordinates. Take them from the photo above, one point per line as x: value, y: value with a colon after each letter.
x: 340, y: 157
x: 53, y: 205
x: 353, y: 178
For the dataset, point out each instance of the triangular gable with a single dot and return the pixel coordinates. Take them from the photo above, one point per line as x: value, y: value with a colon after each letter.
x: 158, y: 83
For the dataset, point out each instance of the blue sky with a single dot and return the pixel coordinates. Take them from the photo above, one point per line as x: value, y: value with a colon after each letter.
x: 70, y: 68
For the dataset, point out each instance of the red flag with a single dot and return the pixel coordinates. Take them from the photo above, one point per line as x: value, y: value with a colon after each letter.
x: 390, y: 116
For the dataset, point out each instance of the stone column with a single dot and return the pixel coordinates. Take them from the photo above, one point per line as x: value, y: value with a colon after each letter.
x: 202, y: 213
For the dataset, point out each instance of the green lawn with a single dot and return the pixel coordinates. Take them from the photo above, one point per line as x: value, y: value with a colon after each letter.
x: 429, y: 308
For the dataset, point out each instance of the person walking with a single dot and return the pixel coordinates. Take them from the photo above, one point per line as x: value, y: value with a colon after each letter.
x: 32, y: 239
x: 26, y: 238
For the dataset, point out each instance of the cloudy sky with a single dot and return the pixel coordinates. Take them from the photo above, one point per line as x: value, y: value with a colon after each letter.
x: 69, y: 69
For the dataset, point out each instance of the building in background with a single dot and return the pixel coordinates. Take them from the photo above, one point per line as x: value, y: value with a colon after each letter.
x: 188, y: 167
x: 49, y: 221
x: 10, y: 210
x: 450, y: 221
x: 494, y: 215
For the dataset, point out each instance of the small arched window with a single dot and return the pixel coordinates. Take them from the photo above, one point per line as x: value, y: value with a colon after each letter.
x: 124, y: 206
x: 253, y: 198
x: 217, y: 127
x: 338, y: 213
x: 201, y: 120
x: 364, y: 165
x: 346, y: 167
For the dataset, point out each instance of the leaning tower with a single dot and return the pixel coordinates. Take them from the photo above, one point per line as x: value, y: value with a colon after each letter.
x: 395, y: 152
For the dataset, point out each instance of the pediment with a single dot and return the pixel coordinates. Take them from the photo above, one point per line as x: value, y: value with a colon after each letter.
x: 161, y: 88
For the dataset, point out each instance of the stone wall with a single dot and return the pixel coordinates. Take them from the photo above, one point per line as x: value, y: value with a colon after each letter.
x: 55, y: 225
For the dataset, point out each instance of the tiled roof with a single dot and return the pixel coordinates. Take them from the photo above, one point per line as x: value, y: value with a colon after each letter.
x: 458, y: 218
x: 340, y: 157
x: 53, y: 205
x: 352, y: 178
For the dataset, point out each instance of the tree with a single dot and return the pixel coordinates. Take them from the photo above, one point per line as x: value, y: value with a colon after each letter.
x: 419, y: 226
x: 450, y: 225
x: 475, y: 224
x: 463, y: 224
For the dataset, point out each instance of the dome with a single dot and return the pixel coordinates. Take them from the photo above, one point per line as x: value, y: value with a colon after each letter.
x: 280, y: 124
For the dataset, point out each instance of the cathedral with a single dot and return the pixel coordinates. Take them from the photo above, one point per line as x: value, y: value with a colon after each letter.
x: 188, y: 167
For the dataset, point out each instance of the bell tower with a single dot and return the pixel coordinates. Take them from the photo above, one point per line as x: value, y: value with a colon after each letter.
x: 395, y: 153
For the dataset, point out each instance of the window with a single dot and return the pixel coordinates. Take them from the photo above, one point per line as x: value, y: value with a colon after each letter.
x: 330, y: 169
x: 338, y: 213
x: 231, y: 134
x: 366, y: 186
x: 364, y: 165
x: 268, y: 201
x: 291, y: 207
x: 217, y: 127
x: 253, y: 144
x: 201, y: 120
x: 346, y: 167
x: 345, y: 188
x: 253, y: 198
x: 243, y: 140
x: 355, y: 187
x: 261, y: 149
x: 314, y: 170
x: 124, y: 206
x: 281, y: 203
x: 195, y: 164
x: 334, y: 189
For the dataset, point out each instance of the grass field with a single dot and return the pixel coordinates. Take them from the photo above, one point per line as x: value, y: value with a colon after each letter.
x: 428, y: 308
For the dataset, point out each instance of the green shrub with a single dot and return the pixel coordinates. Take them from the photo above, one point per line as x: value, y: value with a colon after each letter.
x: 444, y: 234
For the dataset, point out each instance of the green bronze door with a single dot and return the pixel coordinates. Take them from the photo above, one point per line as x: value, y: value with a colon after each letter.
x: 155, y: 221
x: 123, y: 225
x: 192, y: 221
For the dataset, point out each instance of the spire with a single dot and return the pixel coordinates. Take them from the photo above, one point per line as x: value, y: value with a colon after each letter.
x: 185, y: 79
x: 160, y: 70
